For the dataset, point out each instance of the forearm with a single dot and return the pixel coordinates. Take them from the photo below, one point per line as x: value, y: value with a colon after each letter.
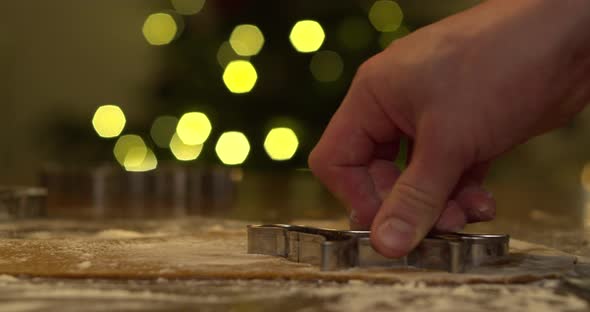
x: 561, y: 26
x: 541, y: 38
x: 564, y: 28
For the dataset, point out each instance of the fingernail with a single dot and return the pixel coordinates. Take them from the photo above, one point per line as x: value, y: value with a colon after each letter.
x: 353, y: 222
x: 485, y: 211
x: 396, y: 235
x: 482, y: 207
x: 352, y: 217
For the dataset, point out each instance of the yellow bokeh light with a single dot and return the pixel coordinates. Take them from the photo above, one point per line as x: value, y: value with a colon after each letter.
x: 193, y: 128
x: 135, y: 156
x: 226, y: 54
x: 240, y: 76
x: 132, y: 153
x: 141, y: 160
x: 150, y: 162
x: 281, y: 143
x: 326, y: 66
x: 187, y: 7
x: 109, y: 121
x: 183, y: 151
x: 246, y: 40
x: 163, y: 129
x: 585, y: 177
x: 386, y: 15
x: 307, y: 36
x: 232, y: 148
x: 159, y: 29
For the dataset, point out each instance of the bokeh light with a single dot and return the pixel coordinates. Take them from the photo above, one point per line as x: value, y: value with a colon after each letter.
x: 386, y: 38
x: 326, y: 66
x: 163, y: 129
x: 109, y: 121
x: 193, y: 128
x: 246, y: 40
x: 132, y: 153
x: 355, y: 33
x: 150, y: 162
x: 585, y: 177
x: 307, y: 36
x: 135, y: 156
x: 140, y: 159
x: 281, y: 143
x: 232, y: 148
x: 226, y: 54
x: 187, y: 7
x: 240, y: 76
x: 386, y: 15
x: 159, y: 28
x: 182, y: 151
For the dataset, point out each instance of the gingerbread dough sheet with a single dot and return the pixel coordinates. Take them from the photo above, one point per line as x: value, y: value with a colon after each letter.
x: 218, y: 251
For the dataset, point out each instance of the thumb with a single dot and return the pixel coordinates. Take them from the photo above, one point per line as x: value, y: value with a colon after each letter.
x: 419, y: 195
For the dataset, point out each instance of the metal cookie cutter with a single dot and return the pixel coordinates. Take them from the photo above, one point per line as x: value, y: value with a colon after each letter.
x: 22, y: 202
x: 334, y: 249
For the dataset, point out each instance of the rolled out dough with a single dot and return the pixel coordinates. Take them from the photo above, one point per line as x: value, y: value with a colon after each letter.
x: 217, y: 250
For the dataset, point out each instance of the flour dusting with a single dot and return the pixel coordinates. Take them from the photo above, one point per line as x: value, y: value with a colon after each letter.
x: 84, y: 265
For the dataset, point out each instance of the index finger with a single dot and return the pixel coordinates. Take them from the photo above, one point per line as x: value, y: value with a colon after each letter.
x: 360, y: 135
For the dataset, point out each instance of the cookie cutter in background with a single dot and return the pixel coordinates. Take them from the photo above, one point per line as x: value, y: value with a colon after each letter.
x: 108, y: 191
x: 22, y: 202
x: 333, y: 249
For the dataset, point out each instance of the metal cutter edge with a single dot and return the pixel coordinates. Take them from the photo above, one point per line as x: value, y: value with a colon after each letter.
x: 336, y: 249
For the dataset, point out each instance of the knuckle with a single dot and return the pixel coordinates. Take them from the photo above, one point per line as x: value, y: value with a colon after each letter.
x: 373, y: 78
x: 366, y: 67
x: 368, y: 70
x: 317, y: 162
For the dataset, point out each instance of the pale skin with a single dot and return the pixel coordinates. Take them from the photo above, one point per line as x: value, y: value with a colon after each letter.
x: 464, y: 90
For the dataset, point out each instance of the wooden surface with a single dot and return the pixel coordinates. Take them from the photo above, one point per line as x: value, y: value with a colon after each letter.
x: 216, y: 249
x: 183, y: 264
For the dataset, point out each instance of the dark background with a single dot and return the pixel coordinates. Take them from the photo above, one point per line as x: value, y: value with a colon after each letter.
x: 60, y: 60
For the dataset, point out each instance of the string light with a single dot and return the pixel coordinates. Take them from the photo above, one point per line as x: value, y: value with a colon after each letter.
x: 132, y: 153
x: 307, y: 36
x: 232, y: 148
x: 246, y: 40
x: 326, y: 66
x: 193, y: 128
x: 386, y: 15
x: 226, y: 54
x: 109, y: 121
x: 182, y: 151
x: 240, y: 76
x: 163, y: 129
x: 159, y: 29
x: 281, y: 143
x: 187, y: 7
x: 150, y: 162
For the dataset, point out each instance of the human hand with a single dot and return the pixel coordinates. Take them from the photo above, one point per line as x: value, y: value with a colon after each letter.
x: 464, y: 90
